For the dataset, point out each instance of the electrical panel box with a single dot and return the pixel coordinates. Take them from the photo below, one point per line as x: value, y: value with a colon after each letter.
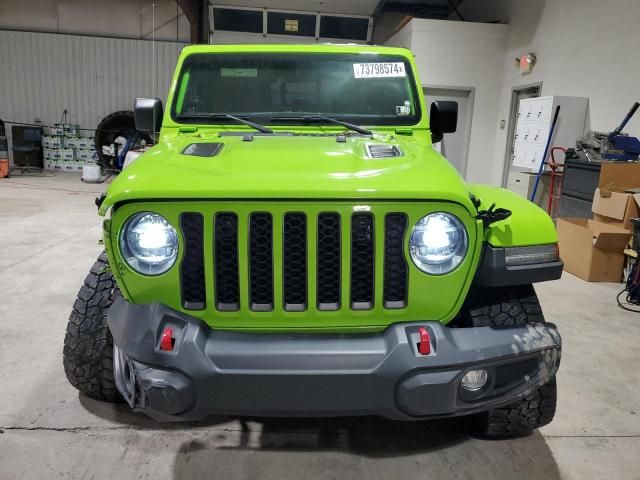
x: 533, y: 124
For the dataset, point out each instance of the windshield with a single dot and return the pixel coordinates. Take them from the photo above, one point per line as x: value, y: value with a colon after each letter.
x: 366, y: 89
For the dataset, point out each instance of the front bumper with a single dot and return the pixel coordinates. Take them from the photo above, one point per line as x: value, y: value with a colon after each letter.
x: 218, y: 372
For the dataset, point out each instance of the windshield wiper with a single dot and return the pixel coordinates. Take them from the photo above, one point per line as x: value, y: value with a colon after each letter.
x: 216, y: 116
x: 322, y: 118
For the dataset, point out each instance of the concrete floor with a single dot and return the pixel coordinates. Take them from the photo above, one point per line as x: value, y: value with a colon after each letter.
x: 48, y: 240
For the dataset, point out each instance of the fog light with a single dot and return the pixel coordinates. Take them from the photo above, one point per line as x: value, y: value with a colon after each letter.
x: 474, y: 380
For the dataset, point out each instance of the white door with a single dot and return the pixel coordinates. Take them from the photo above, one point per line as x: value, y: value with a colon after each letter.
x: 454, y: 146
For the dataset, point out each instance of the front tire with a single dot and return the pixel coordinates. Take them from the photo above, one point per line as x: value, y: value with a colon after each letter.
x: 509, y: 307
x: 522, y: 417
x: 88, y: 345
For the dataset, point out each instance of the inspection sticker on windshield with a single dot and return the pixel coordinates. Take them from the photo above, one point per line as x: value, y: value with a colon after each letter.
x: 379, y: 70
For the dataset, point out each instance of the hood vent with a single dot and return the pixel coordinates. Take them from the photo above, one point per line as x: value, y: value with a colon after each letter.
x: 203, y: 149
x: 381, y: 150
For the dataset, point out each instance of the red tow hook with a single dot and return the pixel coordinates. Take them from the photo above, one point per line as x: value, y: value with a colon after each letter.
x: 424, y: 346
x: 166, y: 340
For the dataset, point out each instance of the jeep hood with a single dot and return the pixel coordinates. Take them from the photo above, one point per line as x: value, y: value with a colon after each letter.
x: 289, y: 167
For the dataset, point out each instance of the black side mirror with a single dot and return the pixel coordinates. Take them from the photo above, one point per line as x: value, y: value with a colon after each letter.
x: 443, y: 118
x: 147, y: 113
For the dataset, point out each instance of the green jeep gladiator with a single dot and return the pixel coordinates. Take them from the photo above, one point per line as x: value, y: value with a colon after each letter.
x: 294, y: 246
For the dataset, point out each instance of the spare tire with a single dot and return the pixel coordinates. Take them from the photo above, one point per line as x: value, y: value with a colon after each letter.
x: 114, y: 125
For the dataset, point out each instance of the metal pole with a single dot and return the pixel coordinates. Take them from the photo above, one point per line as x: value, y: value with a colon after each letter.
x: 546, y: 151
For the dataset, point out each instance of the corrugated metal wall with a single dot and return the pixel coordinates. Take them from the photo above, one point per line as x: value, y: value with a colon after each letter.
x: 41, y: 74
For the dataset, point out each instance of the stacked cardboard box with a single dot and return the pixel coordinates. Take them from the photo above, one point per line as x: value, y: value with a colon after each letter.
x: 594, y: 249
x: 64, y: 149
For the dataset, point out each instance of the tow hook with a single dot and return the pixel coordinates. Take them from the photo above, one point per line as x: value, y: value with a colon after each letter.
x: 424, y: 345
x: 166, y: 340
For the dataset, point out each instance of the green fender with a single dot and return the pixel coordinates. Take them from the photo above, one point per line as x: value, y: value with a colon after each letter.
x: 527, y: 225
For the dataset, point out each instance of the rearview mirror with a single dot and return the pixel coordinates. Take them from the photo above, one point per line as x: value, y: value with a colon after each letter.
x: 443, y: 118
x: 147, y: 113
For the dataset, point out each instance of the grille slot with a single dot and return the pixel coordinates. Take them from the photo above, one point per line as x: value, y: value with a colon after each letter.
x: 294, y: 256
x: 395, y: 265
x: 261, y: 262
x: 362, y: 261
x: 226, y: 262
x: 329, y: 261
x: 192, y: 266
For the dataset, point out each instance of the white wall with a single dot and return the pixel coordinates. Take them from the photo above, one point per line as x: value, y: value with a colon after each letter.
x: 113, y: 18
x: 45, y: 73
x: 586, y: 48
x: 463, y: 54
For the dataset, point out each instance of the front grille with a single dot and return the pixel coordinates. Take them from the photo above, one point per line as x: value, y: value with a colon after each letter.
x: 227, y: 287
x: 261, y: 262
x: 362, y: 261
x: 396, y: 270
x: 329, y: 260
x: 192, y: 266
x: 294, y: 258
x: 296, y: 261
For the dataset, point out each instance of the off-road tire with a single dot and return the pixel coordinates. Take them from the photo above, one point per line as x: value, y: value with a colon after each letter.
x: 502, y: 307
x: 508, y: 307
x: 120, y: 123
x: 88, y: 345
x: 522, y: 417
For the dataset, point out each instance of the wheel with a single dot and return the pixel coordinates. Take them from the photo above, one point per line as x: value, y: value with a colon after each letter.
x: 114, y: 125
x: 88, y: 345
x: 503, y: 307
x: 508, y: 307
x: 522, y: 417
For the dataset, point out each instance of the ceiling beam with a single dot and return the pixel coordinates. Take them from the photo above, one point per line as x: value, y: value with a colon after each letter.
x: 197, y: 12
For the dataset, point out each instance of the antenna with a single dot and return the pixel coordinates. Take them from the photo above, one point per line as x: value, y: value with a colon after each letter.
x: 153, y: 50
x: 177, y: 27
x: 154, y: 79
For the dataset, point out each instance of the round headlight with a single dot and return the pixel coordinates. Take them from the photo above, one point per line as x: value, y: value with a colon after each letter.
x: 438, y: 243
x: 149, y: 243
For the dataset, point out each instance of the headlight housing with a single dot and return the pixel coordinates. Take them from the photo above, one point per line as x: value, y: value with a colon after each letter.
x: 438, y: 243
x: 149, y: 244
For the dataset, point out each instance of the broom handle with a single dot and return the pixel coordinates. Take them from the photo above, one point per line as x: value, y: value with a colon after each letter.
x: 546, y: 151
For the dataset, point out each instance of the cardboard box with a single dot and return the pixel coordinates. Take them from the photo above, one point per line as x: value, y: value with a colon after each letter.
x: 619, y: 176
x: 69, y: 165
x: 57, y: 129
x: 70, y: 130
x: 85, y: 155
x: 618, y: 208
x: 67, y: 154
x: 54, y: 142
x: 592, y: 250
x: 85, y: 143
x: 70, y: 142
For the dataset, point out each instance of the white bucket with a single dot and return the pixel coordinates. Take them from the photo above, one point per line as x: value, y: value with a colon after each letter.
x: 91, y: 173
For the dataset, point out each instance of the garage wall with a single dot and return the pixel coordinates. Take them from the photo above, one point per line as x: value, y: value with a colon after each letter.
x: 584, y: 48
x: 41, y: 74
x: 469, y: 55
x: 115, y: 18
